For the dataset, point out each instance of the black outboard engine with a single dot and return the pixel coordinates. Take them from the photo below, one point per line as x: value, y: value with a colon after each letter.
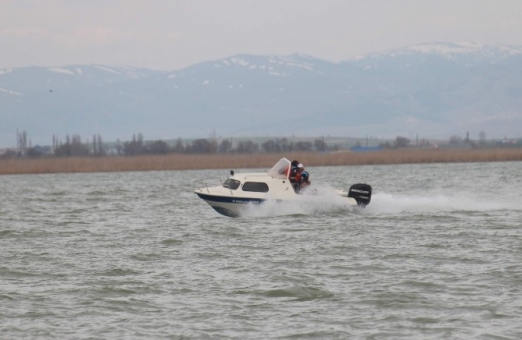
x: 362, y: 193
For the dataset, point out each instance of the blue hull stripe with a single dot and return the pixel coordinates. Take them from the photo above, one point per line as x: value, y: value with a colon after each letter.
x: 236, y: 200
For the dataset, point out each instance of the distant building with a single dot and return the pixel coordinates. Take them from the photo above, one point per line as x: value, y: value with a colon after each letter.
x: 366, y: 148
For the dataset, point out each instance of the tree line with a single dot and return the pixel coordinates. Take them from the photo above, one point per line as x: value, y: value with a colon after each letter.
x: 74, y: 146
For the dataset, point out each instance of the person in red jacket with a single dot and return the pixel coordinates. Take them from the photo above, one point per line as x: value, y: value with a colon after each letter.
x: 293, y: 171
x: 302, y: 178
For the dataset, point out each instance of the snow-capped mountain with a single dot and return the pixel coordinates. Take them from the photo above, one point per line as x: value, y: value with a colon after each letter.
x: 453, y: 51
x: 435, y: 90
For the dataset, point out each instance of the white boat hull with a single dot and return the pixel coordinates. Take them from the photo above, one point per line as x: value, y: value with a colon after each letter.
x: 234, y: 206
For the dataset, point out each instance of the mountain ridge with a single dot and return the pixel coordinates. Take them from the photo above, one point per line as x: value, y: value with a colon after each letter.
x: 435, y: 90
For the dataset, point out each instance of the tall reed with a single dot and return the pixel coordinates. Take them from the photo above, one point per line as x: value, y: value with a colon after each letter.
x: 244, y: 161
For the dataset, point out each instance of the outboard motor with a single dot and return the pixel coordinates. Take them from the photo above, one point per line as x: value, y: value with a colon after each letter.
x: 362, y: 193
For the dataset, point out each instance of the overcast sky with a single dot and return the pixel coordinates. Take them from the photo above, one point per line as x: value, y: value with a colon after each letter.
x: 172, y: 34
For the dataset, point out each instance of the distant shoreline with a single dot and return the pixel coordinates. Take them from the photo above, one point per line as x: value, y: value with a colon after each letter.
x: 245, y: 161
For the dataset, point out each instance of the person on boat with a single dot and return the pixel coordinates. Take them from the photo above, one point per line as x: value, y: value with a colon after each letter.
x: 302, y: 178
x: 293, y: 171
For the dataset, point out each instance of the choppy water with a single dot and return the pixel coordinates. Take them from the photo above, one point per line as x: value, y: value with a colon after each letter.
x: 437, y: 254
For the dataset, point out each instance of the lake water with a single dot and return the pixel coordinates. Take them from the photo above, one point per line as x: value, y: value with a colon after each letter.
x: 436, y: 255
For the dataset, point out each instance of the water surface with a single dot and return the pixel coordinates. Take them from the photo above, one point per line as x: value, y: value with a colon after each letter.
x: 437, y: 254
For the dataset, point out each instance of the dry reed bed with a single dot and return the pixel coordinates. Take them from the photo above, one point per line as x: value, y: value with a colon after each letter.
x: 241, y: 161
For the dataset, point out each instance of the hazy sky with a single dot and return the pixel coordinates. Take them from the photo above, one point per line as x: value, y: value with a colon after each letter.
x: 169, y: 35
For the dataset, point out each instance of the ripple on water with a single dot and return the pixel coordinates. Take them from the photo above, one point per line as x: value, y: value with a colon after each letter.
x: 172, y: 242
x: 297, y: 293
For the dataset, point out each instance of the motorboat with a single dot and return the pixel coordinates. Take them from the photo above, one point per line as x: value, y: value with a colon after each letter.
x: 242, y: 190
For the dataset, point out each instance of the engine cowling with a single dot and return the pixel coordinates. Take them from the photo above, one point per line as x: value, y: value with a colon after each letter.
x: 362, y: 193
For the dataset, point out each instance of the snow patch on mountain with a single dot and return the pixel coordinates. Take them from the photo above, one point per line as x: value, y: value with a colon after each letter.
x: 240, y: 62
x: 106, y: 69
x: 452, y: 51
x: 276, y: 63
x: 61, y: 70
x: 10, y: 92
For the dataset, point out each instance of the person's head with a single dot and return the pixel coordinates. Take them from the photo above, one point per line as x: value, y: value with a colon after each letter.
x: 300, y: 167
x: 295, y: 163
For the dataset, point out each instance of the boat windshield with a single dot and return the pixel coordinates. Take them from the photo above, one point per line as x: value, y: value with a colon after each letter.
x: 280, y: 169
x: 231, y: 184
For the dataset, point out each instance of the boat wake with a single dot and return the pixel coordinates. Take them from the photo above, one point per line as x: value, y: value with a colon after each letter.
x: 384, y: 203
x: 324, y: 201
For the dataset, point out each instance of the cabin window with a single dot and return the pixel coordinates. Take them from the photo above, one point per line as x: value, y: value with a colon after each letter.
x: 231, y: 184
x: 255, y: 186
